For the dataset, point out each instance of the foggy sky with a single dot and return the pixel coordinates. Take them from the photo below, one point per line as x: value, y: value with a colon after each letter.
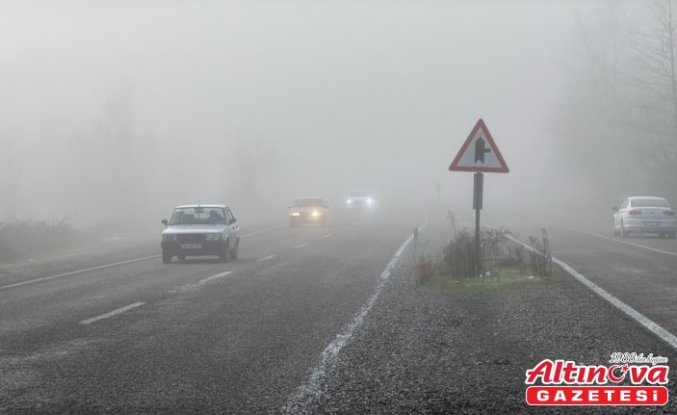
x: 343, y: 95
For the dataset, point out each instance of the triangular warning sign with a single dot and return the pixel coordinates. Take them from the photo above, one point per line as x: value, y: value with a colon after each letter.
x: 479, y: 153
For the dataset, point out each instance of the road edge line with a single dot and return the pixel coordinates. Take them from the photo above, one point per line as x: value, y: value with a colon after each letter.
x: 638, y: 317
x: 311, y: 389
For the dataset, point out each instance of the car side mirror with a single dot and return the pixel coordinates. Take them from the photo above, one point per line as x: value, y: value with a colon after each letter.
x: 232, y: 220
x: 615, y: 208
x: 164, y: 222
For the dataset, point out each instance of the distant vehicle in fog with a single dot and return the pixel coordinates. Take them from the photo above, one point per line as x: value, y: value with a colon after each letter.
x: 645, y: 214
x: 360, y: 199
x: 201, y: 230
x: 309, y: 211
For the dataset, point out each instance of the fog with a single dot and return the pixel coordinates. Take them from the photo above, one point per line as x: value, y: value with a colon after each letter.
x: 121, y: 110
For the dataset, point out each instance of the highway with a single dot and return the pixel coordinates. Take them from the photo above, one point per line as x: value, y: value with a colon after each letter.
x: 140, y: 336
x: 117, y: 331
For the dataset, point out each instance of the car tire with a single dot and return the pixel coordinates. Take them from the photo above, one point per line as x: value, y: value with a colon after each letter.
x: 235, y: 251
x: 623, y: 232
x: 166, y: 258
x: 225, y: 253
x: 672, y: 235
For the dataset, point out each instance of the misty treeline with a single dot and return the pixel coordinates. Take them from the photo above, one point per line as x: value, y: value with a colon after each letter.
x: 618, y: 121
x: 108, y: 170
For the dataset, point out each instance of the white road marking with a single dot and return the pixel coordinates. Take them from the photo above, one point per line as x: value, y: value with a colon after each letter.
x: 301, y: 245
x: 79, y: 271
x: 112, y: 313
x: 188, y: 287
x: 266, y: 258
x: 263, y: 230
x: 620, y: 241
x: 326, y: 235
x: 311, y: 389
x: 648, y: 324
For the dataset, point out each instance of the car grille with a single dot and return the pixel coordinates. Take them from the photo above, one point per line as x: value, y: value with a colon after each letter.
x: 191, y: 237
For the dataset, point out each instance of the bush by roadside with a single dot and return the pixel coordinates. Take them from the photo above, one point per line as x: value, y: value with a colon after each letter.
x: 25, y: 239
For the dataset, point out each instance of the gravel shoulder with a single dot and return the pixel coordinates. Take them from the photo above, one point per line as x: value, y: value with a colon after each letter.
x: 423, y: 349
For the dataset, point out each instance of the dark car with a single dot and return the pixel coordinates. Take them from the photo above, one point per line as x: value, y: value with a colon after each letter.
x: 201, y: 230
x: 308, y: 210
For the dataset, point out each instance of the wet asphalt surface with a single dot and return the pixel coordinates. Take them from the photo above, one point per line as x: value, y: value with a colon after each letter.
x: 204, y: 341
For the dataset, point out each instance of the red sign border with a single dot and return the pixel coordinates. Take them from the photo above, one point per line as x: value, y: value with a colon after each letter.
x: 480, y: 125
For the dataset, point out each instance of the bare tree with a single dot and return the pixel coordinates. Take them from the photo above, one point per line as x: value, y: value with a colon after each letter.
x: 654, y: 79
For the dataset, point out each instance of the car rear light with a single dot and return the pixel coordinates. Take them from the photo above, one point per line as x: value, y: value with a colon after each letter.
x: 669, y: 213
x: 635, y: 212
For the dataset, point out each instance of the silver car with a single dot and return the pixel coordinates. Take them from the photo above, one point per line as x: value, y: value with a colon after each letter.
x: 645, y: 214
x: 201, y: 230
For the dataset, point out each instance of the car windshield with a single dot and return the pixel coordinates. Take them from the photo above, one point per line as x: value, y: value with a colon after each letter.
x: 650, y: 202
x: 359, y: 194
x: 309, y: 202
x: 198, y: 216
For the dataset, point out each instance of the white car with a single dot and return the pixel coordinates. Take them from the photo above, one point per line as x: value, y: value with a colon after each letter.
x: 360, y: 199
x: 645, y: 214
x: 200, y: 230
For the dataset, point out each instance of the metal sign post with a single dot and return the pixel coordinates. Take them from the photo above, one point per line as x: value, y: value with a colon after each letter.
x: 477, y: 205
x: 478, y: 154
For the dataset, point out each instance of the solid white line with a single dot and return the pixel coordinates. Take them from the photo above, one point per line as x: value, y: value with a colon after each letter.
x: 648, y: 324
x: 311, y: 389
x: 131, y: 261
x: 301, y: 245
x: 112, y: 313
x: 79, y: 271
x: 327, y: 235
x: 263, y: 230
x: 266, y: 258
x: 660, y: 251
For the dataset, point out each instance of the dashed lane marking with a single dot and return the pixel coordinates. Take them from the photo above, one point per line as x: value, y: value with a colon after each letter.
x: 112, y: 313
x: 266, y: 258
x: 188, y: 287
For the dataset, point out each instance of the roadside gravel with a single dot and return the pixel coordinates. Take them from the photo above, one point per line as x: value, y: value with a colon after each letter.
x: 422, y: 350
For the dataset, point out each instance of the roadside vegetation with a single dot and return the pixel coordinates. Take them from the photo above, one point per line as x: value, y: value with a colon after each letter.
x: 504, y: 263
x: 27, y: 239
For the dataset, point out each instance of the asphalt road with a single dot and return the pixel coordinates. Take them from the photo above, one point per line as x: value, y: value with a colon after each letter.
x: 640, y: 270
x: 192, y: 337
x: 204, y: 337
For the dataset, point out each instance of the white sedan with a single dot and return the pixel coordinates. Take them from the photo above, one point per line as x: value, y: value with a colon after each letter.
x: 645, y: 214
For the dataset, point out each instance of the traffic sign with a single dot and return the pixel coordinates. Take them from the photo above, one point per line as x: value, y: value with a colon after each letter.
x: 479, y: 153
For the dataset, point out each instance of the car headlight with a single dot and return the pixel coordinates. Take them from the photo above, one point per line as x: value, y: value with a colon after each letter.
x: 316, y: 213
x: 370, y: 201
x: 296, y: 214
x: 349, y: 201
x: 169, y: 237
x: 213, y: 237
